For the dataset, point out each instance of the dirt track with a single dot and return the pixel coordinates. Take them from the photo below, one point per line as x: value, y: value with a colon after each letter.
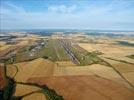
x: 85, y: 88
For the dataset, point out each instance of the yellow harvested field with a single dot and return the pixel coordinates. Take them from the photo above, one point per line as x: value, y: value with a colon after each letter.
x: 25, y: 89
x: 69, y: 71
x: 119, y: 57
x: 95, y: 69
x: 25, y: 71
x: 108, y: 73
x: 121, y: 66
x: 5, y: 47
x: 123, y: 51
x: 129, y: 76
x: 87, y: 46
x: 23, y: 43
x: 2, y: 43
x: 104, y: 71
x: 85, y: 87
x: 116, y: 49
x: 108, y: 48
x: 35, y: 96
x: 45, y: 68
x: 104, y: 48
x: 75, y: 65
x: 65, y: 63
x: 38, y: 67
x: 11, y: 70
x: 125, y: 69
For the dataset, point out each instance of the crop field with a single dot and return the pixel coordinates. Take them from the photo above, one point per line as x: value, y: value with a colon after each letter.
x: 82, y: 56
x: 27, y: 52
x: 2, y: 79
x: 130, y: 56
x: 51, y: 50
x: 87, y: 46
x: 79, y: 49
x: 35, y: 96
x: 86, y: 58
x: 94, y: 69
x: 48, y: 51
x: 72, y: 71
x: 23, y: 55
x: 119, y: 58
x: 125, y: 69
x: 3, y: 47
x: 44, y: 68
x: 107, y: 48
x: 6, y: 52
x: 63, y: 65
x: 60, y: 52
x: 85, y: 87
x: 24, y: 89
x: 40, y: 67
x: 54, y: 51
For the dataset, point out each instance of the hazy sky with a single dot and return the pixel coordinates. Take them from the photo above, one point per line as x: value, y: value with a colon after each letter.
x: 78, y: 14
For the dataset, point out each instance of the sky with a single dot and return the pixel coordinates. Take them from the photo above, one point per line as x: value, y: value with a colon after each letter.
x: 67, y: 14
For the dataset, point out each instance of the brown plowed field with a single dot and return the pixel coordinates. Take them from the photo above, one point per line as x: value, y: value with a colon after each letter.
x: 85, y: 88
x: 2, y: 79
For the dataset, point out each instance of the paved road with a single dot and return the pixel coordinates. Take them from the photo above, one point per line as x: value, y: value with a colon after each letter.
x: 69, y: 52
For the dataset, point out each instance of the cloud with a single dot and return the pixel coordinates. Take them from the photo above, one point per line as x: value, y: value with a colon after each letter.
x: 62, y: 9
x: 92, y: 16
x: 8, y: 8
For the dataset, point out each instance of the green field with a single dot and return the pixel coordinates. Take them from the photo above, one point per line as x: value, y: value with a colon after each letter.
x: 130, y: 56
x: 52, y: 50
x: 86, y: 58
x: 60, y: 52
x: 48, y: 51
x: 23, y: 54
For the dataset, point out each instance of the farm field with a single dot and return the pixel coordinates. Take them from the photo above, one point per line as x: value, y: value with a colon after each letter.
x: 51, y: 50
x: 66, y: 49
x: 130, y: 56
x: 3, y: 81
x: 45, y: 68
x: 90, y: 86
x: 40, y: 67
x: 126, y: 70
x: 63, y: 65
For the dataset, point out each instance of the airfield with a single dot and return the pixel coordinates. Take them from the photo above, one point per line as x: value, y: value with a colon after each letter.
x: 77, y: 66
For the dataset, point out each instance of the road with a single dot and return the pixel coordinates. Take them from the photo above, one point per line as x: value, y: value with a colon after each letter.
x: 69, y: 52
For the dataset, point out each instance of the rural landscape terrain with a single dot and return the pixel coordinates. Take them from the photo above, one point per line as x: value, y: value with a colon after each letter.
x: 66, y: 66
x: 66, y: 49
